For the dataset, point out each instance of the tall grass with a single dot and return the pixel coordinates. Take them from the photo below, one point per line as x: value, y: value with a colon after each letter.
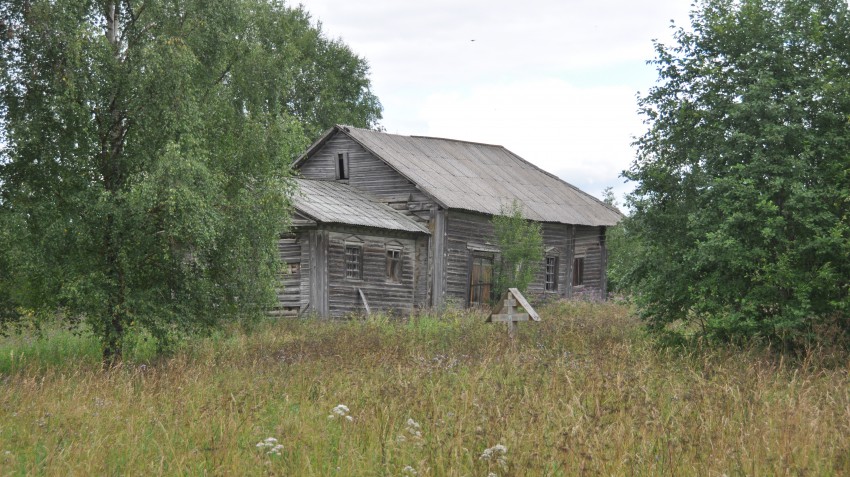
x: 583, y: 392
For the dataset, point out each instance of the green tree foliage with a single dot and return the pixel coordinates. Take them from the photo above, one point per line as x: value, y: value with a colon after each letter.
x: 740, y: 216
x: 521, y: 245
x: 146, y: 150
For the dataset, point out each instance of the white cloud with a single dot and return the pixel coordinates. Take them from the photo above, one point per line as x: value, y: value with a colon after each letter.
x: 552, y: 80
x: 581, y: 134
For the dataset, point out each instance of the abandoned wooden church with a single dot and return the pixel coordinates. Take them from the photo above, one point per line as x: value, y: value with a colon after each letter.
x: 395, y: 223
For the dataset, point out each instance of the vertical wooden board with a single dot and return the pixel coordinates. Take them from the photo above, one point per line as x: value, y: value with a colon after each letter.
x: 438, y: 241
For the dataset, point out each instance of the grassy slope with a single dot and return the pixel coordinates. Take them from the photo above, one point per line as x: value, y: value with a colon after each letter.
x: 581, y: 392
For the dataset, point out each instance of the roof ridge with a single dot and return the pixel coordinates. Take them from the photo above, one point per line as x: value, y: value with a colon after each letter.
x: 417, y: 136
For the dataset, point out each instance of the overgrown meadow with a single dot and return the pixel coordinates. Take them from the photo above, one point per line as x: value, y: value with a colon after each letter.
x: 583, y: 392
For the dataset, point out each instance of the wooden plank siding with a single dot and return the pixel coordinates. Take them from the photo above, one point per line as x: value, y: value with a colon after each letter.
x: 589, y: 243
x: 366, y: 172
x: 289, y: 278
x: 381, y: 293
x: 466, y: 231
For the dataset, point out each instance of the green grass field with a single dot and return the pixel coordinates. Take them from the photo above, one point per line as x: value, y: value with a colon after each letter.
x: 581, y: 393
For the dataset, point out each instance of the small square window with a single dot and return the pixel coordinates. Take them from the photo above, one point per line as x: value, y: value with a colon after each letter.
x: 353, y: 262
x: 394, y: 265
x: 578, y: 271
x: 551, y: 281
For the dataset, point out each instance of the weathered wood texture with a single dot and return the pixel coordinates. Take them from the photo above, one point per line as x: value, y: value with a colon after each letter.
x: 319, y: 271
x: 382, y: 293
x: 556, y: 243
x: 589, y: 244
x: 420, y: 273
x: 289, y: 282
x: 367, y: 173
x: 437, y: 267
x: 466, y: 232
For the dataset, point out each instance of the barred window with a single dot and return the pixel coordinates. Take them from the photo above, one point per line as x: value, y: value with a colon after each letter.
x: 353, y: 262
x: 551, y: 281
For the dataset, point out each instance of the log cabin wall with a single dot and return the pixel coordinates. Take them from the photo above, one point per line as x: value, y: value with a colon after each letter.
x: 382, y: 293
x: 467, y: 232
x: 590, y: 244
x: 557, y: 243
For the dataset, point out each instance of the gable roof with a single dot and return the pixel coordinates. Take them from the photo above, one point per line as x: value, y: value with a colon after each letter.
x: 334, y: 202
x: 478, y: 177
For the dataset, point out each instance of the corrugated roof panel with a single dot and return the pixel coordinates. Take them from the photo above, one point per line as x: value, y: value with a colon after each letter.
x: 335, y: 202
x: 481, y: 177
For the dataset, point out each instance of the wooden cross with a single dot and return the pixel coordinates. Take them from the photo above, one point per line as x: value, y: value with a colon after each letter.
x: 506, y: 311
x: 510, y: 316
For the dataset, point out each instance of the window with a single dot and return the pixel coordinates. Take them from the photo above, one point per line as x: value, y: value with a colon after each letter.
x: 551, y: 280
x: 480, y: 280
x: 294, y: 268
x: 353, y: 262
x: 341, y: 166
x: 578, y: 271
x: 394, y: 265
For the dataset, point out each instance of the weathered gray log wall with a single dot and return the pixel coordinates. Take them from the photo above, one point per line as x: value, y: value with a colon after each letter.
x: 590, y: 244
x: 289, y: 282
x: 467, y: 232
x: 381, y: 293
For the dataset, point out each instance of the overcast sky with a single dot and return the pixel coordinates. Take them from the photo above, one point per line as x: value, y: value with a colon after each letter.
x: 554, y: 81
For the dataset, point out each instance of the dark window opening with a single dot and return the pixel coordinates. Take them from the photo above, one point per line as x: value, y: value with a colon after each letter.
x: 353, y: 262
x: 341, y: 166
x: 480, y: 281
x: 294, y: 268
x: 578, y: 271
x: 551, y: 282
x: 394, y: 265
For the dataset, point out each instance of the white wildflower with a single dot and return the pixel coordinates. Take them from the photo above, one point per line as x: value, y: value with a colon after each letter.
x: 492, y: 474
x: 271, y: 444
x: 497, y: 453
x: 409, y: 471
x: 276, y: 449
x: 413, y: 428
x: 400, y: 438
x: 341, y: 411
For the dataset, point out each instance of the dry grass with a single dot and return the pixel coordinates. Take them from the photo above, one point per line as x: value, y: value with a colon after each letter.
x: 583, y: 392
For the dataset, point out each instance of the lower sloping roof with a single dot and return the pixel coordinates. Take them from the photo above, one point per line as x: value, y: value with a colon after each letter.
x: 338, y: 203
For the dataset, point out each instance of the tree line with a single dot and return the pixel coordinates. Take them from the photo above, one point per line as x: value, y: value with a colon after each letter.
x: 145, y: 155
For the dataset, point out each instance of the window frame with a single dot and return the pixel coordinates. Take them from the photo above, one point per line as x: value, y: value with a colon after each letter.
x: 358, y: 270
x: 578, y: 271
x: 341, y: 166
x: 399, y: 258
x: 550, y: 285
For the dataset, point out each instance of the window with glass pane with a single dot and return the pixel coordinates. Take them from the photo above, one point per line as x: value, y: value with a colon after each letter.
x: 394, y: 265
x: 551, y: 283
x: 480, y: 280
x: 353, y: 262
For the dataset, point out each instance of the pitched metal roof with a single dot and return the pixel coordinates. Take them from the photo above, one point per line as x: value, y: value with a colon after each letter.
x: 338, y: 203
x: 480, y: 177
